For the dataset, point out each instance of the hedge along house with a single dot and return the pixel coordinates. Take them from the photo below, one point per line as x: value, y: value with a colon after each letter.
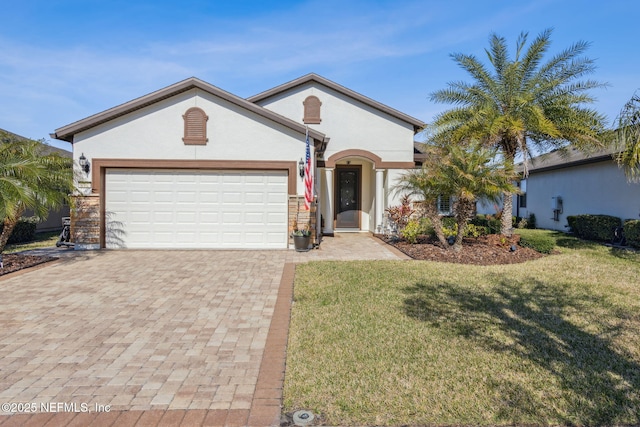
x: 570, y: 182
x: 193, y: 166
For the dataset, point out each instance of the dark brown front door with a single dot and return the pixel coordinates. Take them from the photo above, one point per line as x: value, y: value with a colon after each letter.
x: 348, y: 197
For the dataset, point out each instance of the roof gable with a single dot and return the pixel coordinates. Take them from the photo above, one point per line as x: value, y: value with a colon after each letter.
x: 66, y: 133
x: 417, y: 124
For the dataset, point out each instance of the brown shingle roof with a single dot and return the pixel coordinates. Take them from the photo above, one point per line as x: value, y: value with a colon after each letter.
x: 66, y: 133
x: 47, y: 148
x: 564, y: 158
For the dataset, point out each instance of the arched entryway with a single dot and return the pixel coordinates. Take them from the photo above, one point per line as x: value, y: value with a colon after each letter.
x: 353, y: 190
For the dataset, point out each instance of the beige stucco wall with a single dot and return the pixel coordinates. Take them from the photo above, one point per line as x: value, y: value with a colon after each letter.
x: 156, y: 131
x: 349, y: 123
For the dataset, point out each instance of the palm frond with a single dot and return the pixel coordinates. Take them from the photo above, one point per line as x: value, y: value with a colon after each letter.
x: 628, y: 138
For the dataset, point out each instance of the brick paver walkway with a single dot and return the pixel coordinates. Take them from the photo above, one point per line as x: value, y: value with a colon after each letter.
x: 157, y: 337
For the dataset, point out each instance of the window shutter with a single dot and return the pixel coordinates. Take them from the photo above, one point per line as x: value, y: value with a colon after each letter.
x: 195, y: 127
x: 312, y: 110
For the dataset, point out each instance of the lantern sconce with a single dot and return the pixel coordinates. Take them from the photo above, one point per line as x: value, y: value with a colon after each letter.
x: 84, y: 163
x: 301, y: 168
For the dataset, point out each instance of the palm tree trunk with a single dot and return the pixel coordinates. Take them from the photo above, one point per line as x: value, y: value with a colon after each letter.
x: 463, y: 210
x: 431, y: 212
x: 506, y: 221
x: 8, y: 226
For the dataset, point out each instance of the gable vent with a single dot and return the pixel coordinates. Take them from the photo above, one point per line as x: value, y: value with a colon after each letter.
x: 312, y: 110
x: 195, y: 127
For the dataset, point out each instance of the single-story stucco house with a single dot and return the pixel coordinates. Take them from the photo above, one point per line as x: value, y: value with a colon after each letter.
x: 194, y: 166
x: 569, y: 182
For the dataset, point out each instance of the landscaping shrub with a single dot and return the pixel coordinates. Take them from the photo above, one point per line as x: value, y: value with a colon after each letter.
x: 400, y: 214
x: 491, y: 224
x: 415, y: 228
x: 24, y: 231
x: 531, y: 222
x: 475, y: 231
x: 449, y: 226
x: 632, y: 232
x: 594, y: 227
x: 542, y: 243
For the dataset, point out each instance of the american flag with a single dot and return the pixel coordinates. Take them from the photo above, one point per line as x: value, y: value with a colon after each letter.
x: 308, y: 178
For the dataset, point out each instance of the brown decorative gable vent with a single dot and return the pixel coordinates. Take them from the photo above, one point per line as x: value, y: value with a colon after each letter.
x: 312, y: 110
x: 195, y: 127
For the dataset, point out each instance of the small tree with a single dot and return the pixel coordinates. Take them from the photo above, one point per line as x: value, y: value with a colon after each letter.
x: 628, y: 138
x: 464, y: 173
x: 517, y: 104
x: 30, y: 178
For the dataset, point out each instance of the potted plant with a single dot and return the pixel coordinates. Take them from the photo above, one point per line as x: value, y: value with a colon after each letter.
x: 301, y: 237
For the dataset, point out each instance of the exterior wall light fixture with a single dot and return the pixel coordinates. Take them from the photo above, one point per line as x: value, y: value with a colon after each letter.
x: 84, y: 163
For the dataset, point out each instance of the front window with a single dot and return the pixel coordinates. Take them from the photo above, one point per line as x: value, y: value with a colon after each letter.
x: 444, y: 205
x: 522, y: 198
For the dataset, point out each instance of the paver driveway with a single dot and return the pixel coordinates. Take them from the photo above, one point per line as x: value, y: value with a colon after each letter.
x: 140, y: 330
x: 162, y: 337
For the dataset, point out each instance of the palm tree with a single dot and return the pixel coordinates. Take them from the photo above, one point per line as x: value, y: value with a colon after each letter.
x: 30, y: 178
x: 522, y: 104
x: 466, y: 174
x: 628, y: 138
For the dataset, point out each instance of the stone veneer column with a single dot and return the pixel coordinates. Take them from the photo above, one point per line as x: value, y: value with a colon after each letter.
x: 297, y: 213
x: 379, y: 199
x: 85, y: 222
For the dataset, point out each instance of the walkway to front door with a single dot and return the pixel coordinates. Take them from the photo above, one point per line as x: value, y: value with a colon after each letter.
x: 348, y: 247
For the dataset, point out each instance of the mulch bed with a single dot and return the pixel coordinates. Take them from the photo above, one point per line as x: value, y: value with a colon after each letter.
x: 485, y: 250
x: 16, y: 262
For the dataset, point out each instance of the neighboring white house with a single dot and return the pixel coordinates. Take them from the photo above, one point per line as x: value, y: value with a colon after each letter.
x: 193, y: 166
x: 568, y: 182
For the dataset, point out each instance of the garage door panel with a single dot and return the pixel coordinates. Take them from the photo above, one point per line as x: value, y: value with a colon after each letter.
x: 140, y: 217
x: 253, y: 238
x: 209, y: 218
x: 254, y: 197
x: 230, y: 238
x: 254, y: 218
x: 162, y: 237
x: 209, y: 197
x: 196, y: 209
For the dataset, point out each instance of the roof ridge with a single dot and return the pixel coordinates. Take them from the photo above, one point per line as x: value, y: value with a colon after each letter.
x: 67, y: 132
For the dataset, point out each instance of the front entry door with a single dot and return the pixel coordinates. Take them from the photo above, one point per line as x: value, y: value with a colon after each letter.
x: 348, y: 197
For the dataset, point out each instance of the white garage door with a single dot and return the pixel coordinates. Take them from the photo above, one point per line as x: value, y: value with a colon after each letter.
x: 195, y: 209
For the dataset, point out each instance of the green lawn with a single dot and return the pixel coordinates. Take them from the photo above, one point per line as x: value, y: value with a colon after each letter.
x: 553, y: 341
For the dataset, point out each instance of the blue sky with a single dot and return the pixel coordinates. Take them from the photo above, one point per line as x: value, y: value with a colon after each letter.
x: 64, y: 60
